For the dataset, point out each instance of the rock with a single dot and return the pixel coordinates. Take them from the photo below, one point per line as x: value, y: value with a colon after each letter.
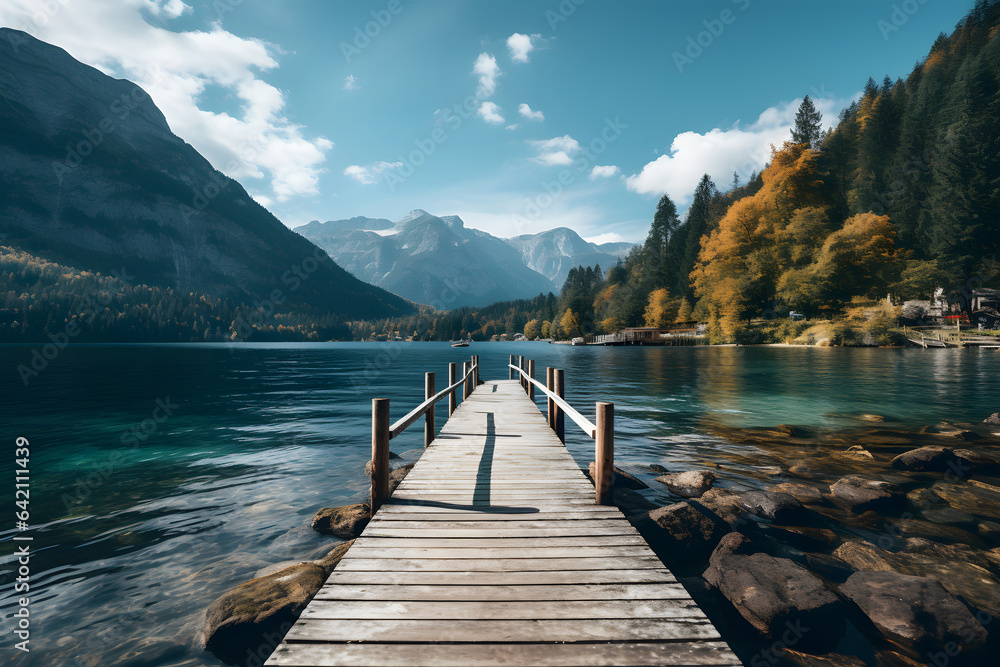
x: 622, y: 480
x: 989, y: 530
x: 731, y: 543
x: 932, y: 531
x: 774, y: 594
x: 856, y: 452
x: 397, y: 475
x: 915, y: 613
x: 968, y: 436
x: 346, y: 521
x: 885, y: 658
x: 977, y: 460
x: 329, y: 562
x: 949, y: 516
x: 780, y: 507
x: 859, y: 494
x: 690, y: 484
x: 689, y: 532
x: 865, y: 557
x: 993, y: 419
x: 925, y: 498
x: 801, y: 492
x: 869, y: 417
x: 827, y: 566
x: 948, y: 552
x: 926, y: 459
x: 974, y: 585
x: 970, y: 498
x: 630, y: 502
x: 723, y: 505
x: 368, y: 465
x: 656, y: 467
x: 803, y: 538
x: 827, y: 660
x: 785, y: 430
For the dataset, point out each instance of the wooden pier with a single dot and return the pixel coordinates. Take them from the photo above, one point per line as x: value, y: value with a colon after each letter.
x: 493, y: 551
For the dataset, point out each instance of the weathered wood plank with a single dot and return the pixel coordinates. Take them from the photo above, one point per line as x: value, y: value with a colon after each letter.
x: 707, y: 653
x: 500, y: 540
x: 503, y: 593
x: 404, y: 551
x: 554, y: 578
x: 443, y: 610
x: 493, y: 565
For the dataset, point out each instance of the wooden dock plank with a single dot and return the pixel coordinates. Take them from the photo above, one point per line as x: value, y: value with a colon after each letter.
x: 492, y: 551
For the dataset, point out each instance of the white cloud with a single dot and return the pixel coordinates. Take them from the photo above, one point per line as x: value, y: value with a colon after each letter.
x: 488, y: 70
x: 513, y: 126
x: 529, y: 113
x: 719, y: 153
x: 556, y: 151
x: 350, y: 82
x: 370, y: 173
x: 520, y: 46
x: 608, y: 237
x: 490, y: 112
x: 258, y: 142
x: 603, y: 172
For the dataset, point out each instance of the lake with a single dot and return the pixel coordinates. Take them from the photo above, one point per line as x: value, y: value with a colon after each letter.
x: 164, y: 475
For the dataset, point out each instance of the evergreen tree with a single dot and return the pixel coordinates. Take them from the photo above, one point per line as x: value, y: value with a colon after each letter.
x: 808, y: 123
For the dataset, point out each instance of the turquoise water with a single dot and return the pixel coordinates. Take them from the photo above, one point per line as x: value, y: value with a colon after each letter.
x: 137, y: 532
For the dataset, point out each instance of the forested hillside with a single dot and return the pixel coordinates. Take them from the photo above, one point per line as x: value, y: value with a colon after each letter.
x: 903, y: 196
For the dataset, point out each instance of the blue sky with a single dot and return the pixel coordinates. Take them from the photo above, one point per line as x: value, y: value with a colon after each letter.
x: 624, y: 100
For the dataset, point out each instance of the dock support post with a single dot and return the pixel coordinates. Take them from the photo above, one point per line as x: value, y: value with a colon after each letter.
x: 429, y: 415
x: 475, y: 358
x: 520, y: 364
x: 560, y: 391
x: 467, y: 387
x: 452, y: 377
x: 604, y: 454
x: 510, y: 371
x: 531, y: 374
x: 380, y: 452
x: 550, y: 384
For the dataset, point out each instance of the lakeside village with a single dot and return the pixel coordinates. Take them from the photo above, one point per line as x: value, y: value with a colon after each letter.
x: 938, y: 322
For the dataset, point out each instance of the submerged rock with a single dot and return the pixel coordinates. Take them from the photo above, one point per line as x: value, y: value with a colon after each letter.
x: 827, y: 660
x: 687, y: 532
x: 780, y: 507
x: 977, y: 460
x: 723, y: 505
x: 865, y: 557
x: 346, y: 521
x: 802, y: 537
x: 914, y: 613
x: 932, y: 531
x: 630, y: 502
x: 859, y: 494
x: 656, y: 467
x: 801, y: 492
x: 970, y: 498
x: 690, y: 484
x: 775, y: 594
x: 993, y: 419
x: 262, y: 610
x: 926, y: 459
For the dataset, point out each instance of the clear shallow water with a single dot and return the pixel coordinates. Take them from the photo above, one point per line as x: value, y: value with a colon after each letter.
x: 135, y: 538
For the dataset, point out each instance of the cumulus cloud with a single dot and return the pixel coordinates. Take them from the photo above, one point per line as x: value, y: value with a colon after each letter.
x: 603, y: 172
x: 488, y: 70
x: 556, y: 151
x: 608, y: 237
x: 490, y: 112
x: 369, y: 174
x: 520, y: 46
x: 513, y: 126
x: 742, y: 149
x: 258, y: 142
x: 530, y: 113
x: 350, y: 82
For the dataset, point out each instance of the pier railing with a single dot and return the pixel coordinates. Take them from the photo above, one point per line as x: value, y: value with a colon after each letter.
x: 383, y: 432
x: 603, y: 432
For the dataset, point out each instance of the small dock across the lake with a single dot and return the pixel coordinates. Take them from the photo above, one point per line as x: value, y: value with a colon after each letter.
x: 493, y: 551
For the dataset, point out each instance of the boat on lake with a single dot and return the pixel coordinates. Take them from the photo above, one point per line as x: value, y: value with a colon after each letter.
x: 461, y: 343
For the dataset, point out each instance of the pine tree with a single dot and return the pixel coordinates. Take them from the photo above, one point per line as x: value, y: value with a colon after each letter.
x: 808, y: 123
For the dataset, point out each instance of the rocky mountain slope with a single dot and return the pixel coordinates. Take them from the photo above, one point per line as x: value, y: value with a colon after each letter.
x: 92, y: 177
x: 554, y: 252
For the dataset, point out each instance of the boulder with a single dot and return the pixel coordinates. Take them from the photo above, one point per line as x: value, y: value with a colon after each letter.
x: 931, y: 531
x: 827, y: 566
x: 925, y: 498
x: 686, y: 532
x: 915, y: 613
x: 993, y: 419
x: 345, y: 522
x: 780, y: 507
x: 976, y: 586
x: 622, y: 480
x: 802, y: 537
x: 801, y: 492
x: 798, y: 659
x: 865, y: 557
x: 951, y: 552
x: 690, y: 484
x: 723, y: 505
x: 630, y: 502
x: 977, y: 460
x: 774, y: 594
x: 397, y: 475
x: 989, y: 531
x: 856, y: 452
x: 969, y: 498
x: 926, y: 459
x: 949, y: 516
x: 859, y: 494
x: 886, y: 658
x: 657, y: 468
x: 731, y: 543
x: 262, y: 610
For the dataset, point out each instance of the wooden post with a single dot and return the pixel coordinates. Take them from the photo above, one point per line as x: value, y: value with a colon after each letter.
x: 478, y: 381
x: 510, y: 371
x: 604, y: 454
x: 467, y: 387
x: 550, y: 384
x: 520, y: 364
x: 429, y: 415
x: 452, y: 399
x: 531, y: 374
x: 560, y: 391
x: 380, y: 452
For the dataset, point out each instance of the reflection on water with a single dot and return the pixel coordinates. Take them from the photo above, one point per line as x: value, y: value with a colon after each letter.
x: 141, y: 519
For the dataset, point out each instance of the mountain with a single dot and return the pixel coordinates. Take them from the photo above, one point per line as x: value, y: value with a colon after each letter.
x: 429, y: 259
x: 554, y: 252
x: 91, y: 177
